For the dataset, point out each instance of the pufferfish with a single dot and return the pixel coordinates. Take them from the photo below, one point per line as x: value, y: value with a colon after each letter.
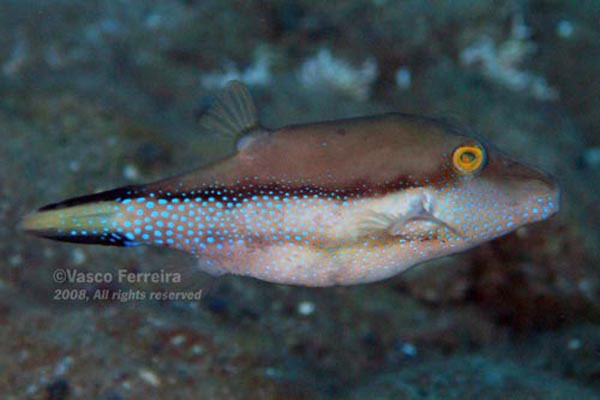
x: 328, y: 203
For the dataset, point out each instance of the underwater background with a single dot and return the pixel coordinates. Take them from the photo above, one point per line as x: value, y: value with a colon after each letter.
x: 96, y: 94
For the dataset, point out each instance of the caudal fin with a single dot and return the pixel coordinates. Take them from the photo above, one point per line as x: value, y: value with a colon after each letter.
x: 92, y: 219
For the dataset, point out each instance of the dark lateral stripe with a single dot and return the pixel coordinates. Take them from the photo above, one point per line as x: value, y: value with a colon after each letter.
x: 109, y: 195
x: 249, y: 189
x: 108, y: 239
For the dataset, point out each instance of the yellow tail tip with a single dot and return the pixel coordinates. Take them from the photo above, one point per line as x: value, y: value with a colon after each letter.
x: 39, y: 221
x: 93, y: 223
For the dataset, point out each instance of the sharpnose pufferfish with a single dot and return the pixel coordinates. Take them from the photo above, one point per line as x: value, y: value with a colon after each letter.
x: 328, y: 203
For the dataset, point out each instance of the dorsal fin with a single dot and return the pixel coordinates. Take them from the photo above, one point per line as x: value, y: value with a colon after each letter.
x: 233, y: 113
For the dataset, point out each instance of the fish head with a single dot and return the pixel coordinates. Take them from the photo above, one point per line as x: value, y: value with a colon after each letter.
x: 487, y: 194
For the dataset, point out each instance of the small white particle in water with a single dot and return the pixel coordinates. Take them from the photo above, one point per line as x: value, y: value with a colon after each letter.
x: 178, y: 340
x: 15, y: 260
x: 32, y: 389
x: 574, y: 344
x: 403, y: 77
x: 197, y: 350
x: 78, y: 256
x: 74, y: 166
x: 564, y: 29
x: 153, y: 21
x: 306, y: 308
x: 149, y: 377
x: 131, y: 172
x: 592, y: 157
x: 48, y: 252
x: 63, y: 366
x: 409, y: 350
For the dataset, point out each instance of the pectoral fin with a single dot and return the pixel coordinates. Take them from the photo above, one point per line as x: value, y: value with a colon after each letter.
x: 395, y: 224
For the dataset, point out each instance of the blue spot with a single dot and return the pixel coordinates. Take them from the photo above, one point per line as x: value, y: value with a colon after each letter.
x: 130, y: 236
x: 149, y: 227
x: 140, y: 212
x: 127, y: 224
x: 162, y: 201
x: 126, y: 201
x: 157, y: 233
x: 210, y: 239
x: 159, y: 223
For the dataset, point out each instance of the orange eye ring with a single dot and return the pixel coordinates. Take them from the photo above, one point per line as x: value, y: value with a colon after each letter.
x: 468, y: 159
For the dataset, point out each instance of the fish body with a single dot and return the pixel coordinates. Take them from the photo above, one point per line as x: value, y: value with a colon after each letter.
x: 329, y: 203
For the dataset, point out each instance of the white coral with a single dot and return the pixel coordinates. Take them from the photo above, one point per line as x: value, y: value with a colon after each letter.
x: 256, y: 74
x: 324, y: 70
x: 502, y: 62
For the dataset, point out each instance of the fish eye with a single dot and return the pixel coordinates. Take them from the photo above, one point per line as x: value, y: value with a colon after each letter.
x: 468, y: 159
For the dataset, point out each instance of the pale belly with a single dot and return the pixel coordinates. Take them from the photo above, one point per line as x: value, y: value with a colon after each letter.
x: 360, y: 262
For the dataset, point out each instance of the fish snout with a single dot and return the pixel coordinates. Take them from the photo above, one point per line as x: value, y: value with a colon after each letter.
x: 530, y: 186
